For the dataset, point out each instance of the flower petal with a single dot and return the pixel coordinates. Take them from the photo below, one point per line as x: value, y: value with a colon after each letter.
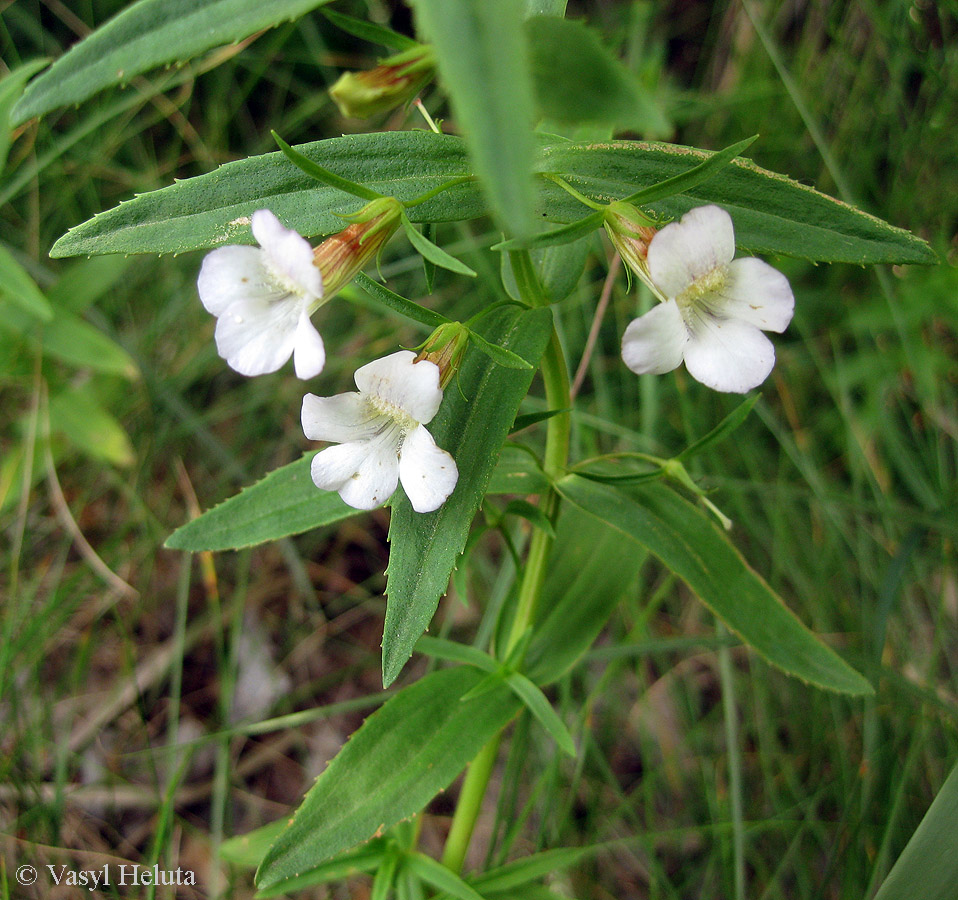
x: 342, y: 418
x: 654, y: 343
x: 428, y: 473
x: 364, y: 472
x: 683, y: 251
x: 288, y: 252
x: 758, y: 294
x: 233, y: 273
x: 729, y: 355
x: 257, y: 336
x: 309, y: 354
x: 396, y: 379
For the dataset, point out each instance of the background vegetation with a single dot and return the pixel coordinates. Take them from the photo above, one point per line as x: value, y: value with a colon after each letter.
x: 134, y: 679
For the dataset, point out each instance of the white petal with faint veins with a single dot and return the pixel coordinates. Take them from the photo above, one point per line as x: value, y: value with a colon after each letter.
x: 381, y: 440
x: 288, y: 252
x: 689, y: 249
x: 256, y: 336
x: 653, y: 343
x: 365, y: 473
x: 345, y: 417
x: 396, y: 380
x: 309, y: 354
x: 729, y: 355
x: 758, y: 294
x: 230, y: 274
x: 262, y: 298
x: 428, y: 473
x: 715, y: 307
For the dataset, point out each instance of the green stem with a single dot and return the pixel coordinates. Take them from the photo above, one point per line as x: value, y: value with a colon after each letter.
x: 555, y: 376
x: 470, y: 802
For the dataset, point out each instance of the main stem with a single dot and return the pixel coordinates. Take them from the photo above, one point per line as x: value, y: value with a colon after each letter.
x: 555, y: 375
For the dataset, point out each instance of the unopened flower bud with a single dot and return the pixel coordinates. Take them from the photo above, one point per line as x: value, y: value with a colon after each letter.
x: 630, y: 233
x: 445, y: 347
x: 395, y: 80
x: 341, y: 256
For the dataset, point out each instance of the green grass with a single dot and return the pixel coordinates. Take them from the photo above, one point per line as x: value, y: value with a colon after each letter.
x: 841, y: 485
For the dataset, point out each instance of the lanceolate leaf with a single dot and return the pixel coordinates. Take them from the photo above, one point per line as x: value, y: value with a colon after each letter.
x: 214, y: 209
x: 472, y: 424
x: 148, y: 34
x: 771, y: 213
x: 481, y: 52
x: 688, y: 543
x: 401, y: 757
x: 285, y: 502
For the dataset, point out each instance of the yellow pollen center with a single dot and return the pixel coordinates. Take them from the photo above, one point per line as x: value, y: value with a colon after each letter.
x: 392, y: 411
x: 711, y: 282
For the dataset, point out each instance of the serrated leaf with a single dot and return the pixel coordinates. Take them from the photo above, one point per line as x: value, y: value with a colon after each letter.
x: 425, y: 546
x: 401, y: 757
x: 930, y: 858
x: 18, y: 287
x: 11, y: 86
x: 538, y: 704
x: 481, y: 55
x: 772, y: 214
x: 691, y: 546
x: 432, y: 252
x: 214, y: 209
x: 146, y: 35
x: 578, y: 81
x: 591, y: 568
x: 285, y: 502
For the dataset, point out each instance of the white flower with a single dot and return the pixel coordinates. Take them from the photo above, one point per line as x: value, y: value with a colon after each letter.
x: 715, y: 308
x: 262, y: 298
x: 382, y: 437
